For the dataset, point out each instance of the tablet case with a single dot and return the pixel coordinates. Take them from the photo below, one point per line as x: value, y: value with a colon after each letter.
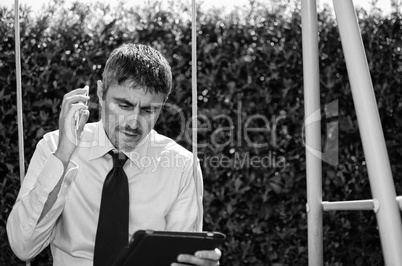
x: 161, y: 248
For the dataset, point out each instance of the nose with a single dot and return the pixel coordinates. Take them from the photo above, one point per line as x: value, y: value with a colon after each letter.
x: 133, y: 122
x: 132, y: 119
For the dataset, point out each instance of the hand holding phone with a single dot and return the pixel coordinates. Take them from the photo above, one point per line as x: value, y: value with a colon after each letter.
x: 74, y: 113
x: 78, y: 114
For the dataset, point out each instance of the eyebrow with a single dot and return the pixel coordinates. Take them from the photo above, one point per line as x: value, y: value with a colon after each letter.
x: 127, y: 102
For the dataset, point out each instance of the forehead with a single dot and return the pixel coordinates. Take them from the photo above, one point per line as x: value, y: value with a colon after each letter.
x: 135, y: 95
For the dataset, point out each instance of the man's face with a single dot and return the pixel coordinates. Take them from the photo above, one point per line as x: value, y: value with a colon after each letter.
x: 128, y: 114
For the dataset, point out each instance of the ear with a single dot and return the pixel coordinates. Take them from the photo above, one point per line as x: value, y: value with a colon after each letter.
x: 100, y: 91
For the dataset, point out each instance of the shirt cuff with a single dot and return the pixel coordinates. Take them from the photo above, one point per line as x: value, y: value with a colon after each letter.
x: 51, y: 173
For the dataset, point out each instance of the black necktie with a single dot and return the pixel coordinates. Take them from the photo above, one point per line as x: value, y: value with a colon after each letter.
x: 112, y: 232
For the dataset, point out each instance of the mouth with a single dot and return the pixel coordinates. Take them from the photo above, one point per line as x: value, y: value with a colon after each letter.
x: 131, y: 134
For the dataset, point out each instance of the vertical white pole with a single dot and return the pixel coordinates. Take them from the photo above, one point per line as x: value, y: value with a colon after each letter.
x: 19, y: 92
x: 378, y: 166
x: 312, y: 131
x: 194, y: 80
x: 194, y: 96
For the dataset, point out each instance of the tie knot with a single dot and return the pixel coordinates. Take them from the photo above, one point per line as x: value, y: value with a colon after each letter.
x: 119, y: 159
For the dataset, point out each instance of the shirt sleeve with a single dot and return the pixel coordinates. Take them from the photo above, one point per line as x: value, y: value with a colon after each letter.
x: 186, y: 213
x: 26, y: 235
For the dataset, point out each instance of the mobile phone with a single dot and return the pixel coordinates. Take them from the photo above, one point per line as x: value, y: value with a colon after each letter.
x: 78, y: 114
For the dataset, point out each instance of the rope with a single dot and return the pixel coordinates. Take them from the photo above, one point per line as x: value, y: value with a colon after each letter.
x: 194, y: 81
x: 19, y: 93
x: 194, y: 108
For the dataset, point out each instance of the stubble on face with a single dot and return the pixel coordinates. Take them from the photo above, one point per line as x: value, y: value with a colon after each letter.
x: 120, y: 134
x: 129, y: 114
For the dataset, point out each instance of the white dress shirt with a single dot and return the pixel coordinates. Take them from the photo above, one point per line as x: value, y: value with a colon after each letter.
x: 164, y: 195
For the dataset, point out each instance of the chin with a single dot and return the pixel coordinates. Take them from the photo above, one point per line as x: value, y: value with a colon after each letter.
x: 129, y: 146
x: 122, y: 142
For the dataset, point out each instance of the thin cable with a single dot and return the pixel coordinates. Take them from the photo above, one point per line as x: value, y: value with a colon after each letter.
x: 194, y: 107
x: 19, y: 93
x: 194, y: 80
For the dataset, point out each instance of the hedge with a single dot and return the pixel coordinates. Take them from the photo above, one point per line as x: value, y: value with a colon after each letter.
x: 249, y: 76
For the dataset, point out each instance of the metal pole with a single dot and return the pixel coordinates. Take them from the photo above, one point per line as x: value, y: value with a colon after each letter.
x: 378, y: 166
x: 312, y: 131
x: 399, y: 200
x: 352, y: 205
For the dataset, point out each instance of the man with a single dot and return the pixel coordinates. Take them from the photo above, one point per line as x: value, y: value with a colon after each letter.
x: 65, y: 201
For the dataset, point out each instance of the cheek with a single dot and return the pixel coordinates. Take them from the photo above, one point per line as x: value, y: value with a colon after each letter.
x: 145, y: 123
x: 111, y: 109
x: 111, y: 116
x: 151, y: 121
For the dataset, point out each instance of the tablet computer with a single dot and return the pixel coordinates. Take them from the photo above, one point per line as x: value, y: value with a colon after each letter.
x: 160, y: 248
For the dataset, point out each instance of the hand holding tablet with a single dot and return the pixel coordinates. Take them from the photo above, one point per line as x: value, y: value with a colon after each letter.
x: 161, y: 248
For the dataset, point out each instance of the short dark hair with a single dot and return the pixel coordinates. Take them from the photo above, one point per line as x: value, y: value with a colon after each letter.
x: 140, y: 65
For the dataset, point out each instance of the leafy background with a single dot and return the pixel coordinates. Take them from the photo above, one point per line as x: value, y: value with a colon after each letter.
x: 249, y: 63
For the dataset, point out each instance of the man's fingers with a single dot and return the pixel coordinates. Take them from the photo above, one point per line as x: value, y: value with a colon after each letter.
x: 70, y: 101
x: 75, y: 99
x: 75, y: 96
x: 209, y: 254
x: 75, y: 92
x: 71, y: 112
x: 190, y: 259
x: 73, y: 102
x: 69, y: 130
x: 201, y: 258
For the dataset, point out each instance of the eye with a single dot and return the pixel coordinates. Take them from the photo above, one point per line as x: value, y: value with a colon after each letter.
x: 124, y: 106
x: 147, y: 111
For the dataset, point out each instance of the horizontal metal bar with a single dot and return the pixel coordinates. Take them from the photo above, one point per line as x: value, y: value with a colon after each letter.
x: 349, y: 205
x: 399, y: 199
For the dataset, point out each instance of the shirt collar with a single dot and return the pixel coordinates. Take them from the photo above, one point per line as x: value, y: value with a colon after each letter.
x: 101, y: 145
